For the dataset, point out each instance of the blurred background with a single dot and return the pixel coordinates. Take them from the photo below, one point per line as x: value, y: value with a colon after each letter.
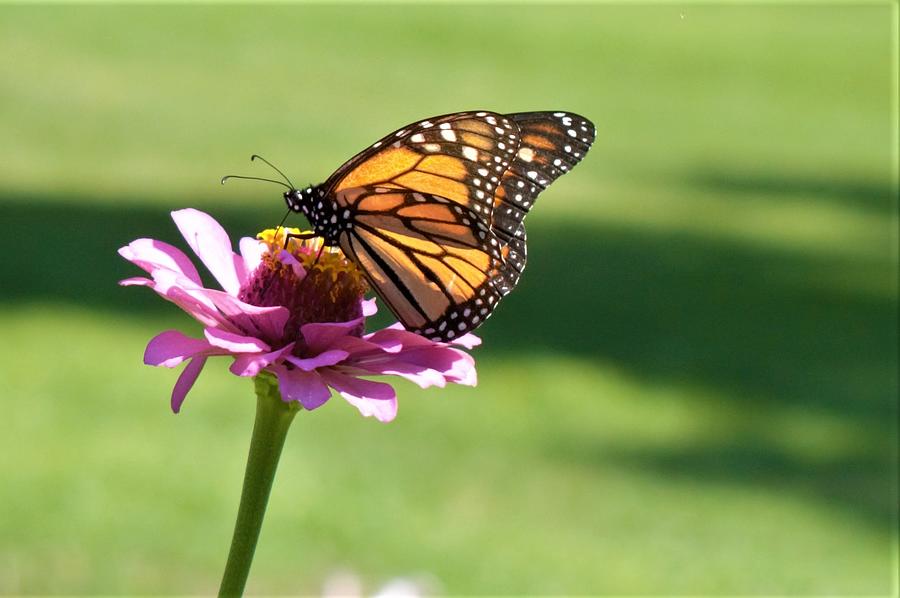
x: 692, y: 391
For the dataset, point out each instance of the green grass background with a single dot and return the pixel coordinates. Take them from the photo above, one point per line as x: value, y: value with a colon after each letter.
x: 693, y: 390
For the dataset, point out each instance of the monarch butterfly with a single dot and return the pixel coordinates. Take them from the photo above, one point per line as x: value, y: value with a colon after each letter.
x: 434, y: 212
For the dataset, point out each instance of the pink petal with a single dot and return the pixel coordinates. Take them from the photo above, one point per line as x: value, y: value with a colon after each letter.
x: 252, y: 251
x: 285, y: 257
x: 169, y: 348
x: 384, y: 411
x: 266, y: 322
x: 151, y: 255
x: 320, y: 336
x: 213, y: 246
x: 234, y: 343
x: 369, y: 307
x: 136, y: 281
x: 186, y: 381
x: 250, y: 364
x: 393, y: 340
x: 370, y: 397
x: 305, y: 387
x: 325, y: 359
x: 468, y: 340
x: 358, y: 387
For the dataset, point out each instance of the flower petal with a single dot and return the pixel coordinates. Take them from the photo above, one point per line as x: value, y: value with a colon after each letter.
x: 285, y: 257
x: 234, y: 343
x: 169, y: 348
x: 320, y: 336
x: 468, y: 340
x: 370, y: 397
x: 150, y: 255
x: 384, y: 411
x: 393, y: 340
x: 266, y: 322
x: 186, y: 381
x: 324, y: 359
x: 213, y: 246
x: 252, y: 251
x: 305, y: 387
x: 250, y: 364
x: 369, y: 307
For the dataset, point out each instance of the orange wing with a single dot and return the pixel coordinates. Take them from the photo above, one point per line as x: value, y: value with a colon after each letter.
x: 459, y: 156
x: 434, y: 262
x: 435, y: 211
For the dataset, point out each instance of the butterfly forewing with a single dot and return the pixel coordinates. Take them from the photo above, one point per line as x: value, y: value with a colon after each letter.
x: 460, y: 157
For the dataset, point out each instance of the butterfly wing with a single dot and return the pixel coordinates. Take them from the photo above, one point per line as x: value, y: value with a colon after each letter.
x: 459, y: 156
x: 548, y: 145
x: 472, y: 174
x: 434, y: 262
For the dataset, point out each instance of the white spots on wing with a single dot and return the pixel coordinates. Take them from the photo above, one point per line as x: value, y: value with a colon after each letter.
x: 481, y: 114
x: 448, y: 135
x: 400, y: 133
x: 557, y: 162
x: 426, y: 124
x: 572, y: 133
x: 518, y: 197
x: 417, y: 138
x: 498, y: 130
x: 483, y: 171
x: 418, y: 197
x: 568, y: 148
x: 559, y: 114
x: 567, y: 121
x: 526, y: 154
x: 346, y: 214
x: 476, y: 182
x: 432, y: 147
x: 520, y: 184
x: 444, y: 126
x: 376, y: 144
x: 532, y: 174
x: 479, y: 194
x: 470, y: 153
x: 501, y: 145
x: 491, y: 120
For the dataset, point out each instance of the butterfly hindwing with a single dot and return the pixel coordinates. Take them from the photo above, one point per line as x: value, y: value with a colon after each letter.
x: 434, y: 262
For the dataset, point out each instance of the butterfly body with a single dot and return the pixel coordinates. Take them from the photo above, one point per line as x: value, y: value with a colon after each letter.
x: 433, y: 213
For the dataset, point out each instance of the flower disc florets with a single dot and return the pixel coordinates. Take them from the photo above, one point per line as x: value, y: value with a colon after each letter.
x: 327, y: 287
x: 294, y: 310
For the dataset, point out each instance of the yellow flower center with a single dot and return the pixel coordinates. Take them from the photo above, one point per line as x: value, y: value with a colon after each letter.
x: 310, y: 252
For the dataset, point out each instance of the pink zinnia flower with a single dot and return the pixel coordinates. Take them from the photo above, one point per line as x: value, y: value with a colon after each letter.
x: 284, y: 312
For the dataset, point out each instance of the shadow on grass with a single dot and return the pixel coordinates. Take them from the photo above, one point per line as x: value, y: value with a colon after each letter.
x: 859, y: 195
x: 756, y: 325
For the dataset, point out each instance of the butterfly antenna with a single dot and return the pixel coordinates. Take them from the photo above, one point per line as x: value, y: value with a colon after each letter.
x: 254, y: 178
x: 275, y: 168
x: 280, y: 224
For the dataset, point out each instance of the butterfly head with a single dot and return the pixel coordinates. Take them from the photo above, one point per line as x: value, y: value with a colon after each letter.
x: 301, y: 200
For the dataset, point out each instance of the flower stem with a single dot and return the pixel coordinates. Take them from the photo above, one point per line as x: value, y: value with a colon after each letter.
x: 273, y: 418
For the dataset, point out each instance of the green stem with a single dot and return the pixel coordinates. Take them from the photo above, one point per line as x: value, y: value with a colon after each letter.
x: 273, y: 418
